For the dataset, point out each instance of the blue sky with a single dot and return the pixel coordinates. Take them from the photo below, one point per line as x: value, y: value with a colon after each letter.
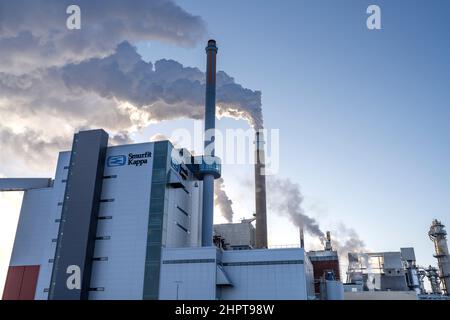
x: 363, y: 114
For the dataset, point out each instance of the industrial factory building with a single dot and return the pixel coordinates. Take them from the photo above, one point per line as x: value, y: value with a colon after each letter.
x: 146, y: 219
x: 396, y: 275
x: 136, y: 222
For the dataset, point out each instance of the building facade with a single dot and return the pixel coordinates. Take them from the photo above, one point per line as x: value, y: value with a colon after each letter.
x: 115, y: 232
x: 125, y: 222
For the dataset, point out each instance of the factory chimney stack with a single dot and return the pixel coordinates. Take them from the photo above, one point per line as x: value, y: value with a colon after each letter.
x: 210, y: 124
x: 328, y: 246
x: 260, y: 192
x: 302, y: 238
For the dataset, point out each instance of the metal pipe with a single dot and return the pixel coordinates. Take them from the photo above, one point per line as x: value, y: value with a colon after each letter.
x: 210, y: 124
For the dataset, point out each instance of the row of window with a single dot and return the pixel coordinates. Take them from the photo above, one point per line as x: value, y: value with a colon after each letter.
x: 233, y: 264
x: 99, y: 218
x: 261, y: 263
x: 90, y: 289
x: 102, y: 200
x: 189, y: 261
x: 93, y: 259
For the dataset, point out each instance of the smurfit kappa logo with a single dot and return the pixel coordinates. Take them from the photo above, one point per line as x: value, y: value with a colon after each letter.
x: 116, y: 161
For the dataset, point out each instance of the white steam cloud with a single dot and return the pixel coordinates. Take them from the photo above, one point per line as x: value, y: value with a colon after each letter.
x: 54, y: 82
x: 165, y: 91
x: 222, y: 201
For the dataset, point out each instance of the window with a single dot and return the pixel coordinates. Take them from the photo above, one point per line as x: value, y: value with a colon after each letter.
x: 183, y: 211
x: 154, y: 235
x: 100, y: 259
x: 104, y: 217
x: 181, y: 227
x: 189, y: 261
x: 103, y: 238
x: 155, y: 220
x: 262, y: 263
x: 110, y: 177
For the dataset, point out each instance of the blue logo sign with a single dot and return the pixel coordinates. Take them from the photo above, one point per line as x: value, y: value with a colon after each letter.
x: 116, y: 161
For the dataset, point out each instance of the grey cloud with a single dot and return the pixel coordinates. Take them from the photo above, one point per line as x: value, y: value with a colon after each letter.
x: 33, y: 32
x: 31, y: 148
x: 286, y: 199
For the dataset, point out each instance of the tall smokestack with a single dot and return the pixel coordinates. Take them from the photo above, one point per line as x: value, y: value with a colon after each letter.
x: 210, y: 125
x: 260, y: 192
x: 328, y: 246
x: 302, y: 238
x: 438, y: 235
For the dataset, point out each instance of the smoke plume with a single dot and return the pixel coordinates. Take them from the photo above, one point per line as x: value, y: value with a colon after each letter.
x: 120, y: 93
x: 286, y: 199
x: 345, y: 240
x: 222, y: 201
x: 166, y: 90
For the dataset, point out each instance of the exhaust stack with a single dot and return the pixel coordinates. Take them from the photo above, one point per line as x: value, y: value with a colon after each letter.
x: 302, y: 238
x: 328, y: 246
x: 438, y: 235
x: 209, y: 164
x: 260, y: 192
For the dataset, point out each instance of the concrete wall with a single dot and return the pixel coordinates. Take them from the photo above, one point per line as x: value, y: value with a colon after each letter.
x: 277, y: 274
x: 184, y: 211
x: 188, y: 274
x: 191, y: 274
x: 237, y: 234
x: 38, y: 228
